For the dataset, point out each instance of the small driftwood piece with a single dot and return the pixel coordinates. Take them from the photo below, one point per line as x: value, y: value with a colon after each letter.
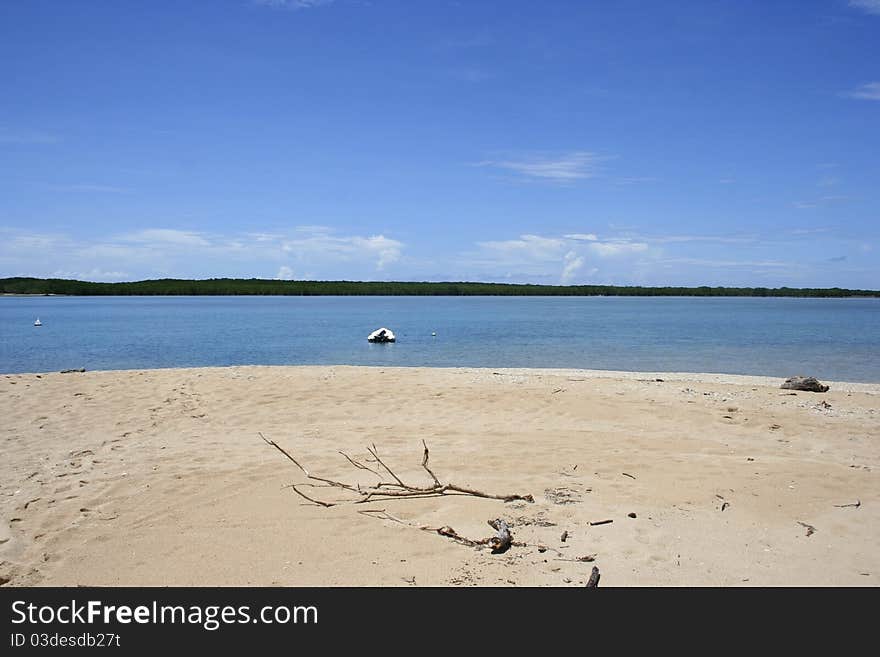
x: 600, y: 522
x: 79, y: 370
x: 857, y: 504
x: 503, y: 539
x: 501, y: 542
x: 587, y: 558
x: 593, y: 582
x: 384, y: 489
x: 810, y: 529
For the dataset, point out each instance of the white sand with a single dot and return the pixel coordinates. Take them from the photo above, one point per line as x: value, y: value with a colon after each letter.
x: 159, y: 477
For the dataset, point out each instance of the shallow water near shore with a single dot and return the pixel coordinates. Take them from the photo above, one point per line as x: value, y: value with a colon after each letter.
x: 836, y: 339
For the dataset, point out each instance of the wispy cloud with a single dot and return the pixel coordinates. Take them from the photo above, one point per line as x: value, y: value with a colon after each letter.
x: 564, y: 168
x: 815, y: 203
x: 617, y: 247
x: 537, y: 256
x: 292, y: 4
x: 869, y: 6
x: 91, y: 275
x: 868, y: 91
x: 383, y: 250
x: 153, y: 252
x: 165, y: 237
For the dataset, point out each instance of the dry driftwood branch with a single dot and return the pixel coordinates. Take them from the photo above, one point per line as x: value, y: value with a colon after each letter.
x: 593, y: 582
x: 389, y: 489
x: 857, y: 504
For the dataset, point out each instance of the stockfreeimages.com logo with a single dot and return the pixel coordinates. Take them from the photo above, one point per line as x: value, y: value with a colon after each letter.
x: 210, y: 617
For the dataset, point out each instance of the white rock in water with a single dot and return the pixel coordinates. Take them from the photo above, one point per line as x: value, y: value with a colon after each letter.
x: 381, y: 335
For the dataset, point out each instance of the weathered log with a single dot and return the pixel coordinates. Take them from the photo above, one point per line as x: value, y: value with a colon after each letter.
x: 806, y: 383
x: 593, y: 582
x: 79, y: 370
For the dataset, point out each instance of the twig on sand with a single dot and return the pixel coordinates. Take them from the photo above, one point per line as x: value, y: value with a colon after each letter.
x: 388, y: 489
x: 587, y: 558
x: 600, y: 522
x: 844, y: 506
x: 627, y: 474
x: 810, y: 529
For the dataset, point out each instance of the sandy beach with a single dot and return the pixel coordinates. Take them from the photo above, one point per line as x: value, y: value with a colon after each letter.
x: 160, y: 477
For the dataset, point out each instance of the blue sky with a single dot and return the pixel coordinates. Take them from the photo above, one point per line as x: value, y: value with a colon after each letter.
x: 617, y: 142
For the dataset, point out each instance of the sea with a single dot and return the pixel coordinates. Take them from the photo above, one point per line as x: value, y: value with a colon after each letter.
x: 835, y: 339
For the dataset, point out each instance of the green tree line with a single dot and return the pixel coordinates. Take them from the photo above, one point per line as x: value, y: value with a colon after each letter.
x: 256, y: 286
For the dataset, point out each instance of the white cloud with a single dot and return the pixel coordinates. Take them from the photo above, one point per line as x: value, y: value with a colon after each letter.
x: 804, y: 205
x: 382, y: 250
x: 97, y: 275
x: 166, y: 237
x: 869, y: 6
x: 535, y: 257
x: 572, y: 263
x: 529, y: 246
x: 868, y: 91
x: 170, y: 252
x: 617, y: 247
x: 285, y: 273
x: 565, y: 168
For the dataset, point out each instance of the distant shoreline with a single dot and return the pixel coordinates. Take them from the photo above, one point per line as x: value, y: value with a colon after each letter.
x: 270, y: 287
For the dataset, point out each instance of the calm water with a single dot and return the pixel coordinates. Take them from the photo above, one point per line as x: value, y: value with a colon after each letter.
x: 829, y: 338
